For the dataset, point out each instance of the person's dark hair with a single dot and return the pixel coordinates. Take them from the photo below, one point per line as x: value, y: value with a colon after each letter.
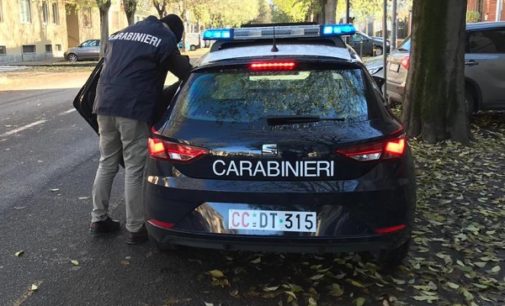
x: 175, y: 24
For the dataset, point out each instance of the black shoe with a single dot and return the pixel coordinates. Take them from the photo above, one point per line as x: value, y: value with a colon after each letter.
x: 103, y: 227
x: 137, y: 237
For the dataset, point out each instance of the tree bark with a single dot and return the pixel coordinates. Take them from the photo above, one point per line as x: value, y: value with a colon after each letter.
x: 434, y: 106
x: 161, y: 7
x: 330, y: 11
x: 103, y: 7
x: 130, y: 7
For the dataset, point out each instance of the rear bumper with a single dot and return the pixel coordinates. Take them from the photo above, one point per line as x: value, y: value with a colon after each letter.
x: 396, y: 92
x: 276, y: 244
x: 350, y: 213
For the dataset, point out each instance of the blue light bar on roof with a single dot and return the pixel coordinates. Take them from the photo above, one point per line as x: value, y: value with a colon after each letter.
x: 337, y: 29
x: 218, y: 34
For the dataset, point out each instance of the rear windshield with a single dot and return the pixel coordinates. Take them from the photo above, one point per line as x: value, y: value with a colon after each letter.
x: 246, y: 96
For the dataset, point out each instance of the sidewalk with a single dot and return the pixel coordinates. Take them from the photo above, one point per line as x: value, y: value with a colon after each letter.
x: 61, y: 62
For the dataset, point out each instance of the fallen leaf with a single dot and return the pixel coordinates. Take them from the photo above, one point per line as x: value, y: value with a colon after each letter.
x: 452, y: 285
x: 336, y: 290
x: 495, y: 269
x: 359, y: 301
x: 269, y: 289
x: 20, y: 253
x: 216, y: 273
x: 317, y: 277
x: 426, y: 298
x: 291, y: 294
x: 74, y: 262
x: 34, y: 287
x: 355, y: 283
x: 257, y: 260
x: 312, y: 302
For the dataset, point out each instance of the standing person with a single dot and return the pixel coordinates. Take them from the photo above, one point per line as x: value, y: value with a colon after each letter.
x: 137, y: 60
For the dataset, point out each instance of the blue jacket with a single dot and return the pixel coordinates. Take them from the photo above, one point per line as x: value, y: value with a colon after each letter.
x: 136, y: 63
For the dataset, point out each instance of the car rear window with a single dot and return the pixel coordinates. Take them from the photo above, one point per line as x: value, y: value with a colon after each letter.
x: 246, y: 96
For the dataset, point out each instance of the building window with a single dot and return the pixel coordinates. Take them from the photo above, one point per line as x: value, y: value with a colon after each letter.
x: 45, y: 12
x: 86, y: 18
x: 3, y: 50
x: 29, y: 49
x: 58, y: 47
x: 26, y: 11
x: 56, y: 14
x: 49, y: 48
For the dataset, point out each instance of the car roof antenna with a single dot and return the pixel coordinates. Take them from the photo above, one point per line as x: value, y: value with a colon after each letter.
x: 274, y: 47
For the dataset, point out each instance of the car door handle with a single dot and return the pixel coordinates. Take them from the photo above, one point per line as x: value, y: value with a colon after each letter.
x: 471, y: 63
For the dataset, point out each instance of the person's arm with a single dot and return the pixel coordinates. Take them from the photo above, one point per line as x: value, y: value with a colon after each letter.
x: 178, y: 64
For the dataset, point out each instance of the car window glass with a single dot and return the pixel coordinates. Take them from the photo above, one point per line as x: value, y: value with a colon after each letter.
x: 250, y: 96
x: 357, y: 37
x: 405, y: 45
x: 490, y: 41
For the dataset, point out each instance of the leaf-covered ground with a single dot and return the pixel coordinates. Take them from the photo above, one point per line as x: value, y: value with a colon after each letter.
x: 457, y: 257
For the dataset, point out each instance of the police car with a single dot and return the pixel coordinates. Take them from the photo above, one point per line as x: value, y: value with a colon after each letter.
x: 279, y: 141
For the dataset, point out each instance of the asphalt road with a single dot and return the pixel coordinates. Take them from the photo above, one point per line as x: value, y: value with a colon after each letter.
x: 48, y: 158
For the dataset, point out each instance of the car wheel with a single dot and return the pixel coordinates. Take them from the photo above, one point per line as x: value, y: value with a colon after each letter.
x: 470, y: 102
x: 192, y: 48
x: 378, y: 50
x: 72, y: 57
x: 392, y: 258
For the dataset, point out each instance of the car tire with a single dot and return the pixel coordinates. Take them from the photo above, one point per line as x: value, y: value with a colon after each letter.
x: 192, y: 48
x: 470, y: 102
x: 377, y: 50
x: 392, y: 258
x: 72, y: 57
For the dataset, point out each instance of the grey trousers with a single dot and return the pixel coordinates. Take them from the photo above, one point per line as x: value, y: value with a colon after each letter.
x: 127, y: 138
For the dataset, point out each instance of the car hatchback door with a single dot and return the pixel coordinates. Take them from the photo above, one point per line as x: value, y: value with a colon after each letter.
x: 485, y: 65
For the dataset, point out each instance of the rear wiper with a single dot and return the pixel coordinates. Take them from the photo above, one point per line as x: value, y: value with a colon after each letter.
x: 402, y: 49
x: 298, y: 119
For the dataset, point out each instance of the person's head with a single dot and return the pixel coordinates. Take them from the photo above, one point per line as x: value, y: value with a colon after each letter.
x: 175, y: 24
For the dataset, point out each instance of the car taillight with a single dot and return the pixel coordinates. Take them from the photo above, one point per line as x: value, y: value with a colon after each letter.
x: 269, y: 66
x: 390, y: 229
x: 406, y: 62
x: 160, y: 224
x: 163, y: 149
x: 385, y: 149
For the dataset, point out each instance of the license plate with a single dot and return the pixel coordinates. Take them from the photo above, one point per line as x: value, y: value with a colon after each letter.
x: 272, y: 220
x: 394, y: 67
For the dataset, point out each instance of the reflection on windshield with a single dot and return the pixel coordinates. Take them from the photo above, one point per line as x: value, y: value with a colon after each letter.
x: 250, y: 96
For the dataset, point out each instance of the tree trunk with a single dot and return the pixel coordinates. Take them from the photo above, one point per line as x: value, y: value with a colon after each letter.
x: 103, y: 6
x: 330, y: 11
x: 434, y: 106
x: 130, y: 6
x: 161, y: 7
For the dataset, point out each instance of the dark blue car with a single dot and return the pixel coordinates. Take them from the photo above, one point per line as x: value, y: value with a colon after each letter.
x: 279, y: 146
x: 284, y: 148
